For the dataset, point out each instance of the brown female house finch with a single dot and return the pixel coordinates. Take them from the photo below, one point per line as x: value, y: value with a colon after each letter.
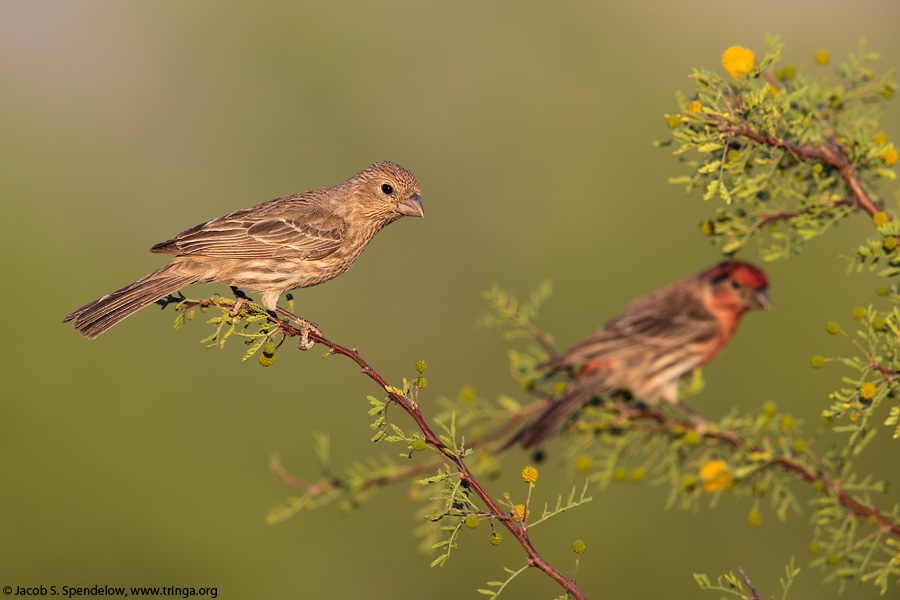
x: 286, y: 243
x: 653, y: 343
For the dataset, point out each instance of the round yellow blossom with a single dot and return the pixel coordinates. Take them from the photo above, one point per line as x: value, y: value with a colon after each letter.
x: 619, y: 475
x: 695, y: 106
x: 787, y: 421
x: 881, y: 139
x: 868, y: 390
x: 521, y: 512
x: 418, y: 444
x: 822, y: 57
x: 890, y: 243
x: 583, y: 464
x: 834, y: 558
x: 468, y: 395
x: 879, y: 324
x: 529, y: 474
x: 789, y: 72
x: 858, y: 313
x: 692, y: 438
x: 638, y: 475
x: 770, y: 408
x: 715, y: 476
x: 707, y: 227
x: 799, y: 446
x: 754, y: 518
x: 817, y: 362
x: 738, y: 61
x: 472, y: 521
x: 813, y: 547
x: 496, y: 539
x: 890, y: 156
x: 833, y: 327
x: 579, y: 547
x: 881, y: 291
x: 673, y: 121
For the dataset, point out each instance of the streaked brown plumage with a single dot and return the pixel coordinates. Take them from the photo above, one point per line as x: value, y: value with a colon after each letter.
x: 653, y: 343
x: 286, y: 243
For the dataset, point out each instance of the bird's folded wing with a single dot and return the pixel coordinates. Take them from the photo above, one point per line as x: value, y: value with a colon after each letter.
x: 641, y: 331
x: 245, y: 235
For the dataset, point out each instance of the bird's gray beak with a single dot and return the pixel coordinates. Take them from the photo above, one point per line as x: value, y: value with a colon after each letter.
x: 761, y: 299
x: 411, y: 207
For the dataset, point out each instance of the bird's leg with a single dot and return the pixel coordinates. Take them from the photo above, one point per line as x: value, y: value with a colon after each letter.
x: 240, y: 300
x: 700, y: 423
x: 304, y: 326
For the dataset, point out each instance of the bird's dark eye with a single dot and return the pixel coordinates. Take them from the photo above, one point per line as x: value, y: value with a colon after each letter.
x: 387, y: 188
x: 736, y: 284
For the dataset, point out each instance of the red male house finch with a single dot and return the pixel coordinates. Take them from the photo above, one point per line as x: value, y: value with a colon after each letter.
x: 285, y: 243
x: 653, y: 343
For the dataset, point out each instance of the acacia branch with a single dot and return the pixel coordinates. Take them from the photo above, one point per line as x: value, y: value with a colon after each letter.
x: 829, y: 153
x: 787, y: 216
x: 749, y: 583
x: 653, y: 420
x: 650, y: 419
x: 412, y: 409
x: 515, y: 527
x: 666, y: 423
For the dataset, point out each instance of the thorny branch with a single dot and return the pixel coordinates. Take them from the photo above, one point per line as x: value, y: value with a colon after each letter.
x: 649, y: 418
x: 515, y: 527
x: 829, y: 153
x: 786, y: 216
x: 749, y: 583
x: 655, y: 420
x: 666, y: 423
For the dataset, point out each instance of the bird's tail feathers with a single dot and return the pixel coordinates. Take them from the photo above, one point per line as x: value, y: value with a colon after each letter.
x: 94, y: 318
x: 578, y: 393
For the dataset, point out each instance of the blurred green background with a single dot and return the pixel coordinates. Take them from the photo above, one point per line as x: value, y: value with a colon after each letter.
x: 140, y: 458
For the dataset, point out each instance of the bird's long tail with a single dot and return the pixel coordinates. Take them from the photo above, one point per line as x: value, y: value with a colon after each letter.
x: 578, y: 393
x: 94, y: 318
